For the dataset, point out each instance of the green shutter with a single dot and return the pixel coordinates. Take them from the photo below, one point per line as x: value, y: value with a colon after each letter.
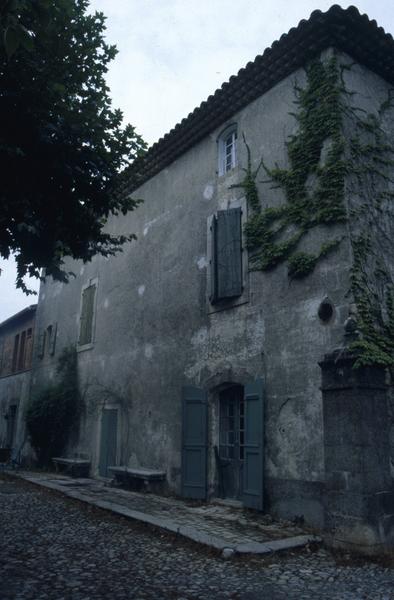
x: 53, y: 340
x: 41, y: 344
x: 214, y: 279
x: 194, y: 443
x: 87, y: 311
x: 253, y: 448
x: 227, y: 254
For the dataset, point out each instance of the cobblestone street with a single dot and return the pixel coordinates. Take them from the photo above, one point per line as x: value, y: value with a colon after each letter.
x: 55, y: 548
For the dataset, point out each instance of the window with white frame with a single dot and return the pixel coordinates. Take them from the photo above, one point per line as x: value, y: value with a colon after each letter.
x: 227, y: 147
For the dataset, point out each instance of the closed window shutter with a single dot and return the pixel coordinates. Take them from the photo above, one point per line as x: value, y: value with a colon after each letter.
x: 227, y: 253
x: 41, y: 345
x: 86, y: 328
x: 53, y: 340
x: 214, y: 270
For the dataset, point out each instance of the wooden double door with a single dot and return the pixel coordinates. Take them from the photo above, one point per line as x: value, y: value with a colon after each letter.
x: 239, y: 464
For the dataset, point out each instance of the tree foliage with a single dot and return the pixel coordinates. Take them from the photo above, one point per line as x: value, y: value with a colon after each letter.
x: 62, y: 144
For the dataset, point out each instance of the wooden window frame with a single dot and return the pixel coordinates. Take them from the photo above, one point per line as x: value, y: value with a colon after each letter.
x: 227, y: 149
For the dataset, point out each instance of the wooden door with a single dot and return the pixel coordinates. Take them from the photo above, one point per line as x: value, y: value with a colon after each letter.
x: 108, y: 440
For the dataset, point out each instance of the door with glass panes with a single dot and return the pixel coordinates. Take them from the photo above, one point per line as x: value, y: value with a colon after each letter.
x: 231, y: 442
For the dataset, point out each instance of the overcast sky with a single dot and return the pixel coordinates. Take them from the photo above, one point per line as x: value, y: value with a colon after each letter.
x: 174, y: 53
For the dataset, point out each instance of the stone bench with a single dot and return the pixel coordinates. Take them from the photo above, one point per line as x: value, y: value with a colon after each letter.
x: 77, y: 467
x: 139, y: 478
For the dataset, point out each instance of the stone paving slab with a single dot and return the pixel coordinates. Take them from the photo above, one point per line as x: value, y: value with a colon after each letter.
x: 225, y: 528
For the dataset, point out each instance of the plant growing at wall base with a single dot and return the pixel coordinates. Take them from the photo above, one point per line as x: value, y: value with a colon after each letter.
x: 55, y: 410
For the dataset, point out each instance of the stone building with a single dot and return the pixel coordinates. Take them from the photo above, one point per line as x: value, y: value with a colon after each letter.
x: 199, y: 346
x: 16, y: 345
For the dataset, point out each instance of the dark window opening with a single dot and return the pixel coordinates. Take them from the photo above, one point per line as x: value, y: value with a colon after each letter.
x: 21, y: 360
x: 15, y: 353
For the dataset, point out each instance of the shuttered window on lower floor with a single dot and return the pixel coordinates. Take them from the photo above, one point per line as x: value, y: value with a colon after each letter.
x: 226, y: 255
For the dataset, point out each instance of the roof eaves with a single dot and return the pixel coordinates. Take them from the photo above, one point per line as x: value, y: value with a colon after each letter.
x: 22, y: 313
x: 368, y: 44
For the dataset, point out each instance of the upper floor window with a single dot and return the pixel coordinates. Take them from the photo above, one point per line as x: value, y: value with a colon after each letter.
x: 87, y: 315
x: 47, y: 341
x: 227, y: 146
x: 15, y: 353
x: 21, y: 355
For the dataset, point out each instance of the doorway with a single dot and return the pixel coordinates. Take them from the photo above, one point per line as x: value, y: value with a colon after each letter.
x: 231, y: 442
x: 108, y: 440
x: 237, y: 441
x: 11, y: 426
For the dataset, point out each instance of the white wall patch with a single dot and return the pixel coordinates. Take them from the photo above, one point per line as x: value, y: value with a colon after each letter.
x: 208, y: 192
x: 202, y: 262
x: 148, y: 350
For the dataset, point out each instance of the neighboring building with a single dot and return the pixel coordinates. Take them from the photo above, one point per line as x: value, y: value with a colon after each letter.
x: 198, y: 346
x: 16, y: 344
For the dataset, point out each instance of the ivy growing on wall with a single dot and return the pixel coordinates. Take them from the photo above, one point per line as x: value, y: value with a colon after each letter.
x: 313, y: 185
x: 325, y: 164
x: 55, y: 410
x: 370, y: 193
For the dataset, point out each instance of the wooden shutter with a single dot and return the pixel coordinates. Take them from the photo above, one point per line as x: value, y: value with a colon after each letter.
x: 227, y: 255
x: 253, y: 449
x: 53, y: 340
x: 108, y: 440
x: 41, y: 344
x: 194, y: 443
x: 22, y: 352
x: 87, y: 311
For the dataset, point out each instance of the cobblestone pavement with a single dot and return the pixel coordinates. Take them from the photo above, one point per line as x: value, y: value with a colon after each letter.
x: 55, y: 548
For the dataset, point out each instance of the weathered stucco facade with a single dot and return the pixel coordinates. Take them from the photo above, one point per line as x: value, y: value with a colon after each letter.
x: 153, y: 329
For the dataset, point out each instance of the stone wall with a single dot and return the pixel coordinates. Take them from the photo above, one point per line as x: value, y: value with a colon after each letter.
x: 359, y: 490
